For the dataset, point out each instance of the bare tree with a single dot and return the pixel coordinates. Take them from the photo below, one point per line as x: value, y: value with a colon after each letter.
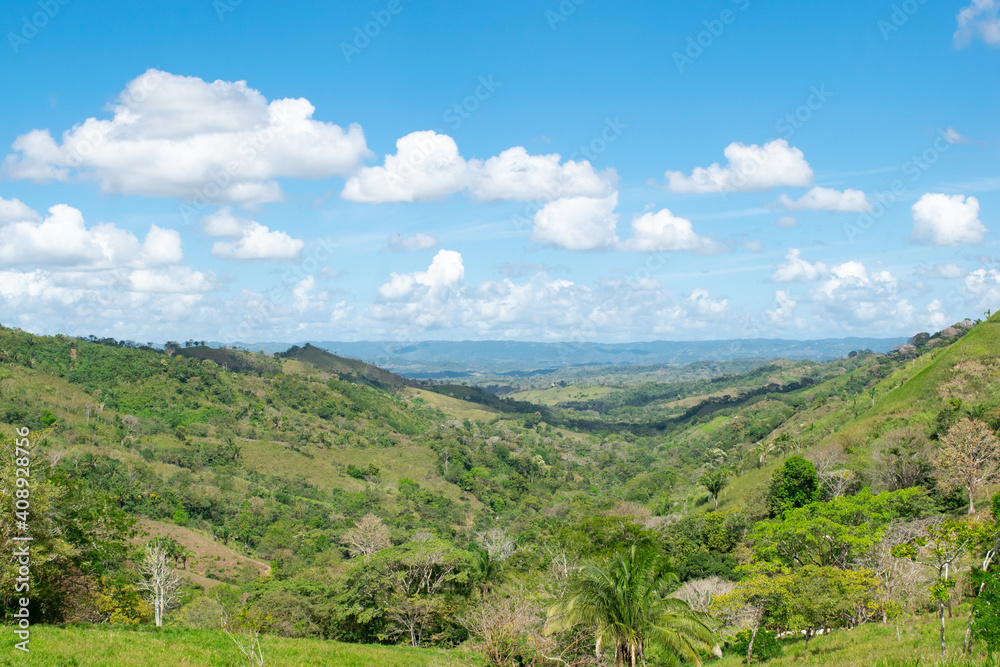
x: 160, y: 582
x: 368, y: 536
x: 969, y: 457
x: 903, y: 580
x: 497, y: 543
x: 54, y: 456
x: 699, y: 593
x: 508, y: 631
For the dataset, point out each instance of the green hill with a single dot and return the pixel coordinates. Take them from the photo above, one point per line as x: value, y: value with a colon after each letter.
x: 347, y: 369
x: 261, y: 470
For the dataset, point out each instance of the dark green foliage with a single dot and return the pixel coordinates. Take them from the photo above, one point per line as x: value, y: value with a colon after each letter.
x: 794, y: 484
x: 986, y: 611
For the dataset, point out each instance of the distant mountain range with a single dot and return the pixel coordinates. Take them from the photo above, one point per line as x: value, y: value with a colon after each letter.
x: 443, y: 358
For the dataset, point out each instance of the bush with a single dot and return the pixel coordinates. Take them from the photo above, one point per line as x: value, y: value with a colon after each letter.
x: 765, y: 645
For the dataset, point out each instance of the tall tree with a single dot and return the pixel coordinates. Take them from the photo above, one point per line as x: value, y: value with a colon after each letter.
x: 714, y: 483
x: 626, y: 600
x: 969, y: 457
x: 160, y: 582
x: 368, y: 536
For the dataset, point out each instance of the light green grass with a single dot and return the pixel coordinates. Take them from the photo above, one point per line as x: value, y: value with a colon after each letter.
x: 556, y: 395
x: 449, y: 406
x: 111, y: 646
x: 876, y: 644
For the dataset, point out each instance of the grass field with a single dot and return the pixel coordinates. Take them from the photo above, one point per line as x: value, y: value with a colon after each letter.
x: 452, y: 407
x: 875, y: 645
x: 104, y: 646
x: 557, y: 395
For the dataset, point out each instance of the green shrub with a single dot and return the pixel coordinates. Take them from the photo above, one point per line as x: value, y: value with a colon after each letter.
x: 765, y: 645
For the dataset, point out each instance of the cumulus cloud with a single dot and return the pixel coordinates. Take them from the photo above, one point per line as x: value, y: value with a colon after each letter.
x: 982, y: 287
x: 749, y: 169
x: 446, y: 270
x: 786, y: 221
x: 180, y: 136
x: 784, y: 308
x: 662, y: 230
x: 15, y: 210
x: 827, y: 199
x: 250, y: 239
x: 980, y: 19
x: 947, y: 220
x: 853, y: 298
x: 418, y: 241
x: 538, y: 308
x: 796, y: 269
x: 428, y: 166
x: 577, y: 223
x: 63, y: 241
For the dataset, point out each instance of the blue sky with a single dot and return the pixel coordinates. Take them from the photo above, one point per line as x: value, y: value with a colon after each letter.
x: 575, y: 170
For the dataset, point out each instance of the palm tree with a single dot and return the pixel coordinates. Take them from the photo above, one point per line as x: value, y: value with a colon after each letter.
x: 625, y: 599
x: 486, y: 570
x: 714, y: 483
x: 762, y: 449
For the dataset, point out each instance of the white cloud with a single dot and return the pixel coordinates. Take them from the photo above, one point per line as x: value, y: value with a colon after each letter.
x: 854, y: 298
x: 171, y: 280
x: 796, y: 269
x: 446, y: 270
x: 784, y: 308
x: 62, y: 240
x: 660, y: 231
x: 786, y: 221
x: 577, y: 223
x: 980, y: 19
x: 947, y: 220
x: 750, y: 168
x: 514, y: 174
x: 701, y: 304
x: 15, y: 210
x: 982, y: 287
x: 410, y: 305
x: 180, y: 136
x: 827, y: 199
x: 17, y: 284
x: 428, y: 166
x: 251, y: 240
x: 418, y: 241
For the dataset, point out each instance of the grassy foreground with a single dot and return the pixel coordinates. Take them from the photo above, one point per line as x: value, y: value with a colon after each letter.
x: 875, y: 645
x: 104, y: 646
